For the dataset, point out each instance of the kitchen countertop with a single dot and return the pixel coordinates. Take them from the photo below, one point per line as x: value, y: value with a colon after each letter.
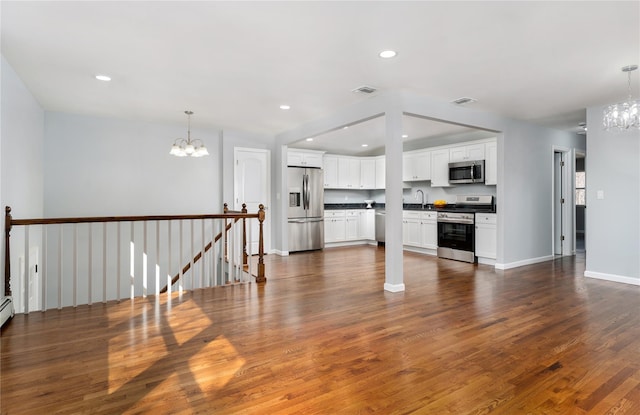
x: 378, y: 206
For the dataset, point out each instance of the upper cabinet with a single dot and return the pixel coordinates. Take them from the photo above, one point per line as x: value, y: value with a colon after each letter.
x: 440, y: 167
x: 368, y: 173
x: 348, y: 173
x: 416, y: 166
x: 330, y: 172
x: 467, y: 152
x: 304, y: 158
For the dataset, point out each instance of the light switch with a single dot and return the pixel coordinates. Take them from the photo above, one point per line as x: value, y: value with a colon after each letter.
x: 600, y: 194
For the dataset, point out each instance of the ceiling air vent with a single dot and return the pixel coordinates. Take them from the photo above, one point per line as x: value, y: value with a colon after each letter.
x: 463, y: 100
x: 365, y: 89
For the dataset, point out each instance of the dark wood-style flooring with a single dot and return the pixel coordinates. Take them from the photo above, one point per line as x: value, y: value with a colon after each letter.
x: 322, y: 337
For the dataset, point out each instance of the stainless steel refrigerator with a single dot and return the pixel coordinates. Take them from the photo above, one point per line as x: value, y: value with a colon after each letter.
x: 306, y: 209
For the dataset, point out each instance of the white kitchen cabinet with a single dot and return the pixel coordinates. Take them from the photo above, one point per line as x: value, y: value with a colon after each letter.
x: 416, y: 166
x: 486, y: 235
x: 334, y: 226
x: 349, y: 225
x: 429, y: 230
x: 366, y: 224
x: 351, y: 228
x: 348, y: 173
x: 304, y: 158
x: 491, y: 164
x: 440, y: 168
x: 330, y: 172
x: 467, y: 152
x: 380, y: 172
x: 411, y: 228
x: 368, y: 173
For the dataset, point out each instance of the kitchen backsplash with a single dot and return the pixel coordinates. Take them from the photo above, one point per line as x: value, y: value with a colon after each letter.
x: 408, y: 194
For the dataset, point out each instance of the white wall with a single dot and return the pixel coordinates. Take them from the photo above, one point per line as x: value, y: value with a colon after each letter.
x: 612, y: 223
x: 104, y: 166
x: 21, y: 154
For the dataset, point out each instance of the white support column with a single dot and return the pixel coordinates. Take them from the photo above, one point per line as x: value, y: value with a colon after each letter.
x: 394, y: 281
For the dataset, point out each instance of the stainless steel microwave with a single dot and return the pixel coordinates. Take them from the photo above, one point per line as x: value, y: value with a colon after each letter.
x: 466, y: 172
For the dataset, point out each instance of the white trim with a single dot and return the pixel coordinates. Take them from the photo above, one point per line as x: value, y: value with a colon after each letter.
x: 279, y: 252
x: 612, y: 277
x: 348, y: 243
x: 524, y: 262
x: 486, y: 261
x: 393, y: 288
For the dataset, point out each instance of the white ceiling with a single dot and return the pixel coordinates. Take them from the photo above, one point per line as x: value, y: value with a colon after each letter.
x: 234, y: 63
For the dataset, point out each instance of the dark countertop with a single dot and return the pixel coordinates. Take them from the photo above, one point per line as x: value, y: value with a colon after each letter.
x: 338, y: 206
x: 405, y: 206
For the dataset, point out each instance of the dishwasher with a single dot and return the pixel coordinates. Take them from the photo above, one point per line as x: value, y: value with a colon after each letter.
x: 380, y: 224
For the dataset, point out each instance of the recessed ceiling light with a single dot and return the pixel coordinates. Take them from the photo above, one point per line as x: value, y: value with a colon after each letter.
x: 404, y: 136
x: 309, y: 139
x: 365, y: 145
x: 345, y: 127
x: 387, y: 54
x: 464, y: 100
x: 285, y: 107
x: 103, y: 78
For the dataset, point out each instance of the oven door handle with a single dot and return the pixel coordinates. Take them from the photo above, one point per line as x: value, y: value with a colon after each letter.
x: 460, y: 221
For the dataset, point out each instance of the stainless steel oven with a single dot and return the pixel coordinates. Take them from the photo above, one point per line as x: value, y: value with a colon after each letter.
x: 456, y: 236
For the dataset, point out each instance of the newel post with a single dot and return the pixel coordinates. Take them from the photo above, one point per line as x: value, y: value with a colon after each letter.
x: 261, y: 216
x: 7, y: 254
x: 245, y: 257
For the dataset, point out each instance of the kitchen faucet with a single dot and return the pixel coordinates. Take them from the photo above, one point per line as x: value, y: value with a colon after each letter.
x: 421, y: 198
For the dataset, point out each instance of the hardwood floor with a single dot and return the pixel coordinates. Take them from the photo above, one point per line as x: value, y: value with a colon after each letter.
x: 322, y: 337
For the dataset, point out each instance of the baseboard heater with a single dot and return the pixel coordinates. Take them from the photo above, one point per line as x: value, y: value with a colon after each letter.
x: 6, y: 310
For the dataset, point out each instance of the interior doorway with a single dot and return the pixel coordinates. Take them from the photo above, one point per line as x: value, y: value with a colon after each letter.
x: 563, y: 202
x: 581, y: 202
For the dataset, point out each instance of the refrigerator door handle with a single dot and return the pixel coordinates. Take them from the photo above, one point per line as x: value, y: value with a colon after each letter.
x: 305, y: 191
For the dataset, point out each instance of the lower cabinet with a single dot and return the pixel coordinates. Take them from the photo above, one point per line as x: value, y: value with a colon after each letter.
x: 420, y: 229
x: 334, y: 226
x: 349, y: 225
x: 429, y: 230
x: 486, y: 235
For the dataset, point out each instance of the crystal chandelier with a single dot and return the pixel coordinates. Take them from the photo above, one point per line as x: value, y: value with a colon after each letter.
x: 188, y: 147
x: 624, y: 115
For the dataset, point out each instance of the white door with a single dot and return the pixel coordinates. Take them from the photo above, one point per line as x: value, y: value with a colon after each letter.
x: 252, y: 185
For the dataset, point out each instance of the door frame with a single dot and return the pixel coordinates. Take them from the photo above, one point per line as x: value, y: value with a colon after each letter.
x: 567, y: 191
x: 266, y: 203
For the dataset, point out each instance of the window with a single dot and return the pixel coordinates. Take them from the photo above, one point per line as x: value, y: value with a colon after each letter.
x: 581, y: 196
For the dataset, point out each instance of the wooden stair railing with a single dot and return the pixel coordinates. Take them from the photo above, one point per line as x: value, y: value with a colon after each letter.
x: 233, y: 215
x: 227, y: 227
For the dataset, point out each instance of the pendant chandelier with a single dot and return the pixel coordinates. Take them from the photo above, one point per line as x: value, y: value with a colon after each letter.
x: 624, y: 115
x: 188, y: 147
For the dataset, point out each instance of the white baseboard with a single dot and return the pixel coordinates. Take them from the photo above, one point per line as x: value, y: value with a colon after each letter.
x: 279, y: 252
x: 426, y: 251
x: 612, y: 277
x: 524, y: 262
x: 345, y: 243
x: 486, y: 261
x: 394, y: 288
